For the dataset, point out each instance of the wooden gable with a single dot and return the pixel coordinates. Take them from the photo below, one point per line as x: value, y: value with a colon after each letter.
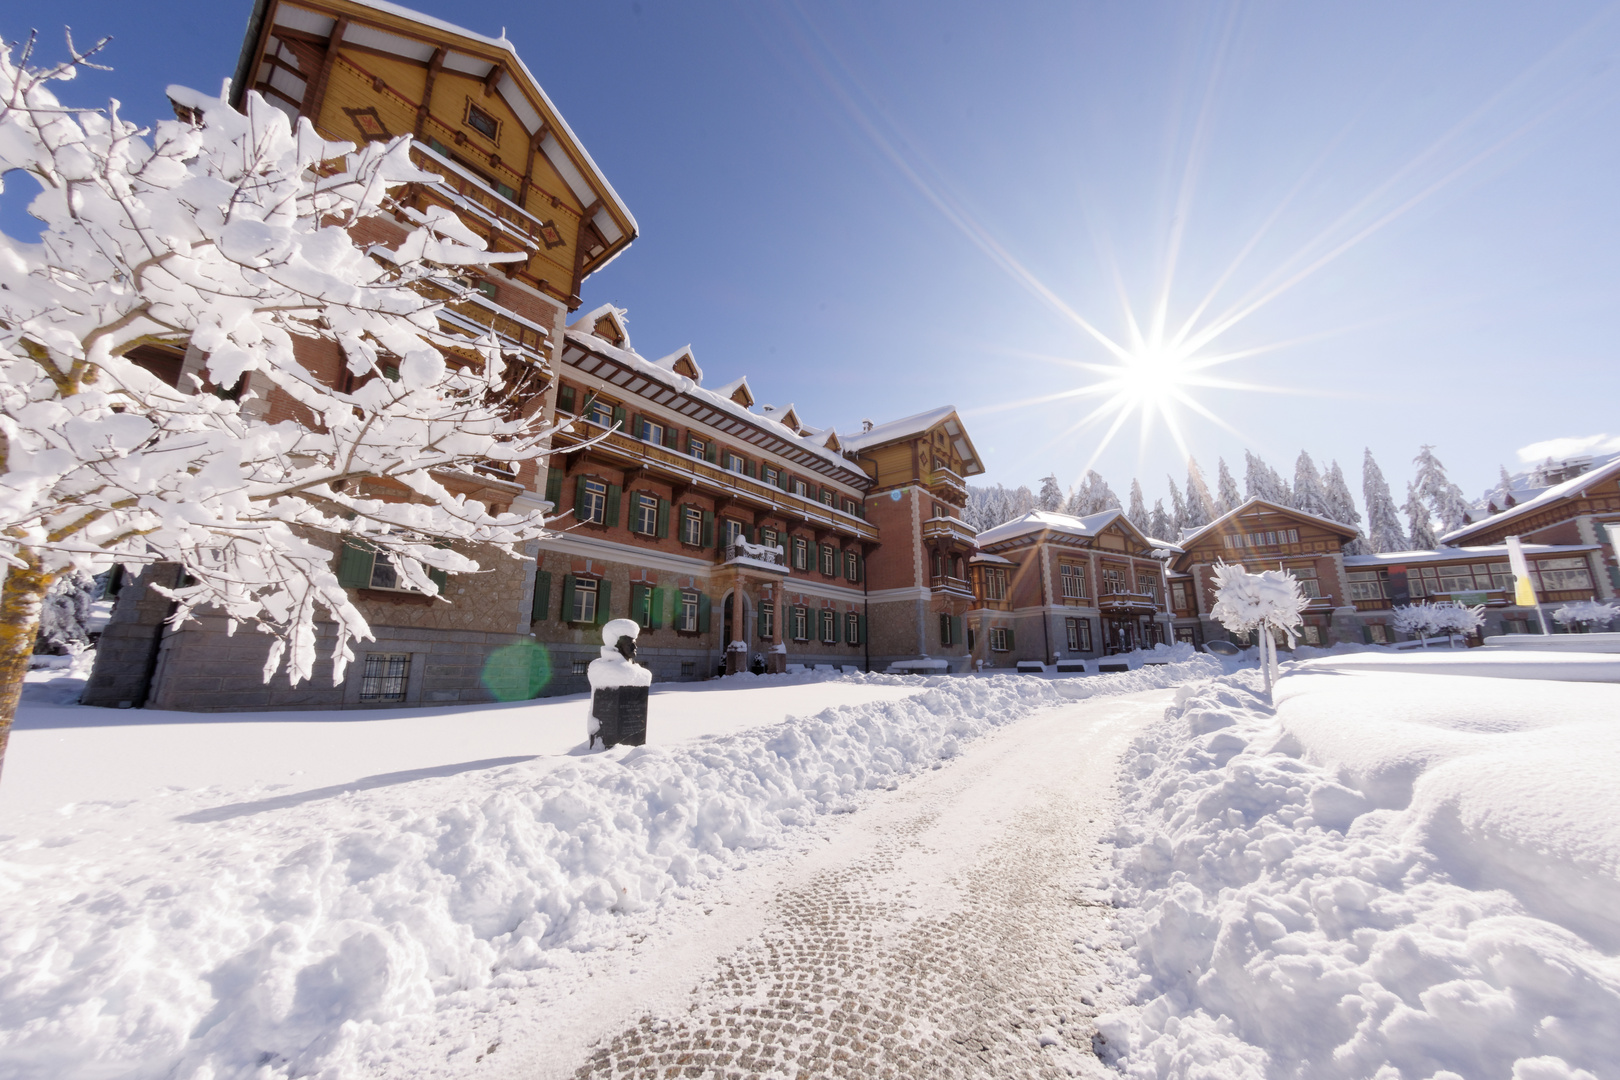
x: 611, y: 330
x: 1260, y: 529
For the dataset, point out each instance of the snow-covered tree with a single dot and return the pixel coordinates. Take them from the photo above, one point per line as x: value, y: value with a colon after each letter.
x: 1138, y: 514
x: 1586, y: 613
x: 1441, y: 617
x: 1270, y: 601
x: 1417, y: 517
x: 229, y: 232
x: 64, y: 617
x: 1178, y: 510
x: 1160, y: 527
x: 1309, y: 494
x: 1341, y: 507
x: 1092, y: 495
x: 1260, y: 481
x: 1384, y: 531
x: 1227, y: 496
x: 1051, y: 497
x: 1446, y: 499
x: 1200, y: 503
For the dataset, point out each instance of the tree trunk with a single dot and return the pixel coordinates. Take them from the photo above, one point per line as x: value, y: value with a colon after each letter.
x: 21, y: 599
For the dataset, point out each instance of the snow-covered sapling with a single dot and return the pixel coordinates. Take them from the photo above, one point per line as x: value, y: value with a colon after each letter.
x: 229, y: 234
x: 1268, y: 602
x: 1588, y: 614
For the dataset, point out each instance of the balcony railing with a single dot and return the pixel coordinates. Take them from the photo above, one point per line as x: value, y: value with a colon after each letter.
x: 945, y: 478
x: 948, y: 528
x: 465, y: 190
x: 953, y: 584
x: 1128, y: 601
x: 712, y: 479
x: 744, y: 553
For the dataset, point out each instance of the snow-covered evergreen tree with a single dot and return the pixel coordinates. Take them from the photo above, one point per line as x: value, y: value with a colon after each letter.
x: 1160, y: 527
x: 1200, y: 503
x: 1178, y: 510
x: 1051, y: 497
x: 64, y: 619
x: 1098, y: 495
x: 1020, y: 501
x: 229, y: 232
x: 1261, y: 481
x: 1446, y: 499
x: 1417, y: 516
x: 1227, y: 496
x: 1384, y: 531
x: 1341, y: 507
x: 1309, y: 495
x: 1138, y: 514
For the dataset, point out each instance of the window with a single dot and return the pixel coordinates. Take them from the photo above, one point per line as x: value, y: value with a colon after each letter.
x: 826, y: 497
x: 1113, y: 580
x: 1148, y: 585
x: 1557, y: 574
x: 768, y: 538
x: 957, y: 563
x: 945, y: 630
x: 385, y: 677
x: 697, y: 448
x: 1306, y: 576
x: 383, y: 574
x: 939, y: 565
x: 1378, y: 633
x: 1178, y: 595
x: 829, y: 626
x: 599, y: 412
x: 1367, y: 584
x: 486, y: 289
x: 594, y: 509
x: 801, y: 553
x: 767, y: 621
x: 584, y: 601
x: 828, y: 566
x: 650, y: 432
x: 734, y: 531
x: 735, y: 462
x: 801, y: 488
x: 852, y: 566
x: 995, y: 583
x: 688, y: 668
x: 849, y: 506
x: 691, y: 526
x: 1184, y: 634
x: 580, y: 667
x: 772, y: 476
x: 939, y: 511
x: 646, y: 515
x: 688, y: 621
x: 1071, y: 627
x: 481, y: 122
x: 1311, y: 634
x: 998, y: 639
x: 801, y: 624
x: 852, y: 628
x: 644, y: 598
x: 1515, y: 626
x: 1073, y: 580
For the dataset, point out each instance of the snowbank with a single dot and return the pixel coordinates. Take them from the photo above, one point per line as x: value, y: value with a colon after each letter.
x: 312, y: 937
x: 1390, y: 875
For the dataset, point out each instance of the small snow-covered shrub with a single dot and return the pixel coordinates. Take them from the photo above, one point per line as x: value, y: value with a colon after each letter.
x: 1587, y: 613
x: 1441, y: 617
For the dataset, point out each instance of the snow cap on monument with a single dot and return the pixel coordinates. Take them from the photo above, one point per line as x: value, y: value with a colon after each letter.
x: 618, y: 628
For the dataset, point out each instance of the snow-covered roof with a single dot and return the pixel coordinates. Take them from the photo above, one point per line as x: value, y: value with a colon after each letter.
x: 1050, y: 521
x: 1551, y: 495
x: 1460, y: 554
x: 986, y: 558
x: 899, y: 429
x: 1188, y: 539
x: 718, y: 400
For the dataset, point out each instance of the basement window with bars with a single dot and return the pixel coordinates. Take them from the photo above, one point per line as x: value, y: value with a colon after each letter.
x: 385, y: 677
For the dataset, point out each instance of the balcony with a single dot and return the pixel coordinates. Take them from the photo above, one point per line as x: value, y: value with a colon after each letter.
x: 1128, y: 603
x: 954, y: 486
x: 947, y: 528
x: 466, y: 191
x: 683, y: 469
x: 954, y: 585
x: 740, y: 553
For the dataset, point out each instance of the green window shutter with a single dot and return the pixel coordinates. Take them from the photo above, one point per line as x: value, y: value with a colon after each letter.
x: 585, y: 406
x: 1011, y: 644
x: 613, y: 506
x: 542, y: 596
x: 655, y: 609
x: 604, y: 592
x: 567, y: 612
x: 554, y: 479
x: 354, y: 566
x: 782, y: 479
x: 704, y: 608
x: 708, y: 528
x: 861, y: 625
x: 618, y: 416
x: 438, y: 577
x: 663, y: 519
x: 565, y: 399
x: 669, y: 437
x: 956, y: 629
x: 759, y: 620
x: 579, y: 498
x: 750, y: 469
x: 709, y: 452
x: 638, y: 592
x: 635, y: 424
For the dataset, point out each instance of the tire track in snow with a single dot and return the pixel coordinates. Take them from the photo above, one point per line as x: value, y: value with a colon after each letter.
x: 944, y: 944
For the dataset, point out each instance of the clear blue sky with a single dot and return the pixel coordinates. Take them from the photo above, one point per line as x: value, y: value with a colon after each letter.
x: 872, y: 208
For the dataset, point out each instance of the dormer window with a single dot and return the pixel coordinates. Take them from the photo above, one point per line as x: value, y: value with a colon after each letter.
x: 483, y: 123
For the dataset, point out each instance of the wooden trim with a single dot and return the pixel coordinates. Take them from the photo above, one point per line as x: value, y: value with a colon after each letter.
x: 434, y: 66
x: 315, y: 92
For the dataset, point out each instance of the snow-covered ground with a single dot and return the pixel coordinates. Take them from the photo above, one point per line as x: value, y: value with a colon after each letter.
x: 1410, y: 868
x: 271, y: 895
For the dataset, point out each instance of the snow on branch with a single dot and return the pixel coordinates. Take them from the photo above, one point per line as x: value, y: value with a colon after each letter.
x: 1268, y: 602
x: 230, y: 233
x: 1588, y: 613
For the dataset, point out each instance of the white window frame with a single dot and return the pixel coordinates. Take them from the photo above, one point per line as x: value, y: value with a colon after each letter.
x: 595, y: 503
x: 651, y: 431
x: 995, y: 583
x: 646, y: 514
x: 697, y: 448
x: 600, y: 413
x: 584, y: 601
x: 998, y: 639
x: 828, y: 560
x: 801, y: 553
x: 689, y: 611
x: 801, y: 623
x: 1072, y: 579
x: 852, y: 627
x: 829, y: 626
x: 691, y: 526
x: 767, y: 620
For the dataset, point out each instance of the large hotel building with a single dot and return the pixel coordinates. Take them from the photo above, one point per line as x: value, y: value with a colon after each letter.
x: 738, y: 533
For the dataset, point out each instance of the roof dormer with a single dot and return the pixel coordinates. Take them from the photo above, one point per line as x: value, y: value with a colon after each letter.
x: 682, y: 362
x: 738, y: 391
x: 606, y: 322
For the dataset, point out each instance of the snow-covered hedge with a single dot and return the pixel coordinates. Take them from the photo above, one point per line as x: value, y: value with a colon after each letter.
x: 1394, y: 876
x: 310, y: 938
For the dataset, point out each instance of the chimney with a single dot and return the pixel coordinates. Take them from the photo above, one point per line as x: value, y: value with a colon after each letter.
x: 866, y: 425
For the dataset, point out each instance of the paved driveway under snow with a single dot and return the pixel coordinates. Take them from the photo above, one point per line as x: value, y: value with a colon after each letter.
x: 941, y: 930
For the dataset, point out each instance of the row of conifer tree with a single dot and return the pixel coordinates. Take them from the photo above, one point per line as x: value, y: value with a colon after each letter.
x: 1434, y: 505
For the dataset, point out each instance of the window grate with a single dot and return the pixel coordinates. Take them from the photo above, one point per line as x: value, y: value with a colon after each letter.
x: 385, y: 677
